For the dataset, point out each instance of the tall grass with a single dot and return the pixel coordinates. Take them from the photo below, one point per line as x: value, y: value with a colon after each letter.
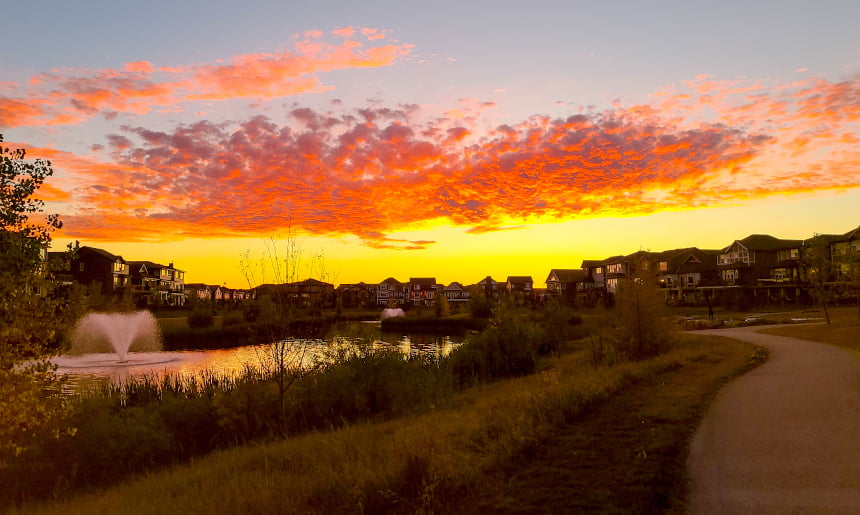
x: 411, y: 465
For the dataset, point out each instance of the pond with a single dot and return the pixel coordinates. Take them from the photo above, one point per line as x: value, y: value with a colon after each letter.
x: 88, y: 370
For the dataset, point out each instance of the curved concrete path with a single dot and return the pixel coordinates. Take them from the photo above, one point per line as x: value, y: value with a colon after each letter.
x: 783, y: 438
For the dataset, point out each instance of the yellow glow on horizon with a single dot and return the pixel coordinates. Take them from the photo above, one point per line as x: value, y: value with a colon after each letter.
x: 534, y: 250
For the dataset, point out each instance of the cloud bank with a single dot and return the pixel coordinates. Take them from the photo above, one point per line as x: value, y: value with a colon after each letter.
x: 374, y: 171
x: 371, y: 172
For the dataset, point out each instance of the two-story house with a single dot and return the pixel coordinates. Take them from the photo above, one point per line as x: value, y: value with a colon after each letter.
x: 845, y: 251
x: 758, y: 259
x: 682, y: 272
x: 520, y: 285
x: 565, y: 283
x: 391, y: 293
x: 92, y: 265
x: 158, y: 283
x: 456, y: 294
x: 422, y: 290
x: 358, y: 295
x: 488, y: 287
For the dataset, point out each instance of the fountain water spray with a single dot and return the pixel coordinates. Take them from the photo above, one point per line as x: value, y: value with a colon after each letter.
x: 116, y: 332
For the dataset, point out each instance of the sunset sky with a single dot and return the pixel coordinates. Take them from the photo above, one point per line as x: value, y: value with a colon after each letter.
x: 447, y: 139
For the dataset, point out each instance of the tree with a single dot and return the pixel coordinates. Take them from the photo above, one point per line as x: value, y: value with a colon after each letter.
x: 441, y: 306
x: 32, y: 316
x: 641, y: 328
x: 817, y: 267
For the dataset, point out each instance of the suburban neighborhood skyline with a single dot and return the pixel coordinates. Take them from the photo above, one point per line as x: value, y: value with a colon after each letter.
x: 464, y: 140
x: 777, y: 272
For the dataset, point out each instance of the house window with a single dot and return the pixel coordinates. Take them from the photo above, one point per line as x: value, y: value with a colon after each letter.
x: 598, y: 270
x: 730, y: 276
x: 80, y: 267
x: 664, y: 266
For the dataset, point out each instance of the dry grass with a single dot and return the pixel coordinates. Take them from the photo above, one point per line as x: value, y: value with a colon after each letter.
x: 844, y: 329
x: 608, y: 439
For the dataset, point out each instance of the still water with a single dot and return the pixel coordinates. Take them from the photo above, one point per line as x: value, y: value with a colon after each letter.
x: 90, y: 369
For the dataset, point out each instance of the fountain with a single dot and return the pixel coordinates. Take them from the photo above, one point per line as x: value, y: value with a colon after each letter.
x: 116, y: 332
x: 391, y: 313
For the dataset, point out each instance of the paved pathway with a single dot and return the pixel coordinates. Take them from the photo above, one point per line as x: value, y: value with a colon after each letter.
x: 783, y: 438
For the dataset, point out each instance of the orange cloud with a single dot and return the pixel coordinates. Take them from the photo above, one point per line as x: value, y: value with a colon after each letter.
x: 68, y: 96
x: 374, y: 171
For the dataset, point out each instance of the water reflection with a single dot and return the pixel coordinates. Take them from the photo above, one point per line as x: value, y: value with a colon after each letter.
x: 92, y: 369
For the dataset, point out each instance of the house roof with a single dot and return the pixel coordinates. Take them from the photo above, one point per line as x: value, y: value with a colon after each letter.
x: 765, y: 242
x: 454, y: 286
x: 520, y: 279
x: 391, y: 280
x: 312, y: 282
x: 566, y: 275
x: 487, y: 280
x: 424, y: 281
x: 853, y: 234
x: 591, y: 263
x: 101, y: 252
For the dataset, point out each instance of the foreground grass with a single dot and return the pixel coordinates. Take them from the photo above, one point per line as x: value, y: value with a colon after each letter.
x: 842, y: 331
x: 570, y: 438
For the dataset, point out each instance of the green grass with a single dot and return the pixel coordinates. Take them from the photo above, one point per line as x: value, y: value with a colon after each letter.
x: 570, y: 438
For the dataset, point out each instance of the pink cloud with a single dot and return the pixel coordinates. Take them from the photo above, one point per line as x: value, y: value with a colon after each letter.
x: 67, y: 96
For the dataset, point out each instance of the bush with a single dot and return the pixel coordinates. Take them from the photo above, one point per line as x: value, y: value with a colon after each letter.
x: 233, y: 320
x: 508, y: 347
x: 200, y: 320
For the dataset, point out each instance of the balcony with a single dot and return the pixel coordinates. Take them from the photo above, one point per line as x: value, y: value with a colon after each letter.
x: 730, y: 258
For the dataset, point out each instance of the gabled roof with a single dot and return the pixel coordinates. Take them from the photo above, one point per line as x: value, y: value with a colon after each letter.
x: 765, y: 242
x: 520, y: 279
x: 853, y: 234
x: 693, y: 260
x: 423, y: 281
x: 613, y: 259
x: 101, y: 252
x: 312, y: 282
x: 487, y: 280
x: 391, y: 280
x: 591, y: 263
x: 454, y: 286
x: 565, y: 275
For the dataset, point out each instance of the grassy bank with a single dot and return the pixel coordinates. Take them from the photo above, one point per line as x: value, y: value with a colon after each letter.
x: 458, y: 324
x: 842, y: 331
x: 603, y: 438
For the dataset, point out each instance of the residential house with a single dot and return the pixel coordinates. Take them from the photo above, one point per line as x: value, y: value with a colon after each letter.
x: 489, y: 287
x: 564, y: 283
x: 759, y: 259
x: 358, y: 295
x: 391, y: 293
x: 683, y: 272
x: 520, y: 285
x: 594, y: 275
x: 456, y: 294
x: 155, y: 283
x: 307, y: 293
x: 845, y: 251
x: 92, y: 265
x: 198, y: 291
x: 422, y: 290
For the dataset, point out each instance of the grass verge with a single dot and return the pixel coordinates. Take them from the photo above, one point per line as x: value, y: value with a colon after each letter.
x: 570, y: 438
x: 842, y: 331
